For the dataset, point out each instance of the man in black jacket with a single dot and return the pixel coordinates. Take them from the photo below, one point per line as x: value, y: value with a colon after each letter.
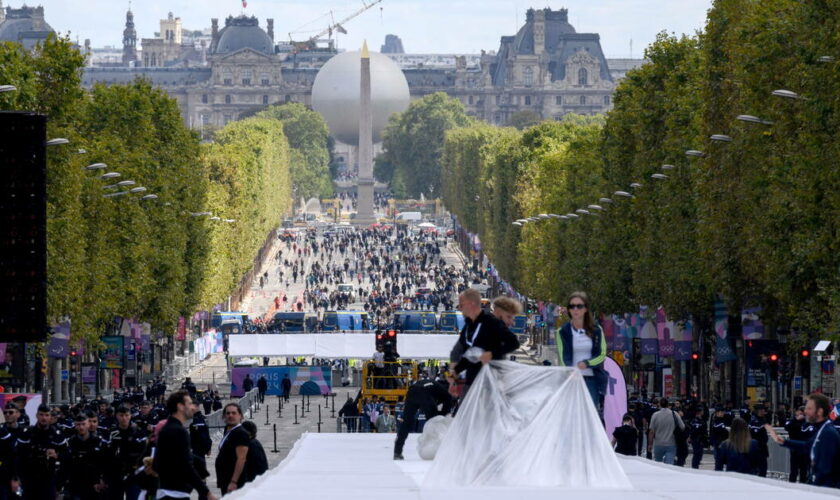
x: 262, y: 387
x: 481, y: 330
x: 174, y: 459
x: 423, y: 396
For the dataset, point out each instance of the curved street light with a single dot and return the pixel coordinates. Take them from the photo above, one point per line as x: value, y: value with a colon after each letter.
x: 624, y: 194
x: 720, y: 138
x: 139, y: 189
x: 753, y: 119
x: 125, y: 183
x: 668, y: 167
x: 149, y: 197
x: 787, y: 94
x: 605, y: 200
x: 7, y: 88
x: 96, y: 166
x: 109, y: 175
x: 635, y: 185
x: 595, y: 207
x: 659, y: 176
x: 519, y: 224
x: 826, y: 59
x: 573, y: 216
x: 113, y: 195
x: 57, y: 142
x: 695, y: 153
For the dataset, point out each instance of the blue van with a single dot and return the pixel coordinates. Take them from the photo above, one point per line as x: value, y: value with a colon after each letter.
x: 293, y: 322
x: 451, y: 321
x: 415, y: 321
x: 220, y: 317
x: 344, y: 321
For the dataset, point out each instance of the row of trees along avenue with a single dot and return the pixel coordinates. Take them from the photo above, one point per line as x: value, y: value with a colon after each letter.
x: 152, y: 259
x: 750, y: 218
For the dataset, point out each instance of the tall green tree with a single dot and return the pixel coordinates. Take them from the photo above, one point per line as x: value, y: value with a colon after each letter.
x: 413, y: 142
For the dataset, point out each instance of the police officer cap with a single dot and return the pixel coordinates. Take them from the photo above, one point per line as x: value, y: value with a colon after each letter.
x: 43, y: 409
x: 19, y: 399
x: 11, y: 406
x: 80, y: 418
x: 718, y: 407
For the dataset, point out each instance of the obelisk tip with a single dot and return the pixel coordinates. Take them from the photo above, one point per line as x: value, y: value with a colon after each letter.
x: 365, y: 54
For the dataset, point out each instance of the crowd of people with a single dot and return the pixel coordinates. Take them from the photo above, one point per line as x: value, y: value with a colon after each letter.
x: 737, y: 439
x: 376, y: 270
x: 125, y: 447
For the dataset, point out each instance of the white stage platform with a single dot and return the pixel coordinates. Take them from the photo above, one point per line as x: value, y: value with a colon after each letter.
x: 361, y: 466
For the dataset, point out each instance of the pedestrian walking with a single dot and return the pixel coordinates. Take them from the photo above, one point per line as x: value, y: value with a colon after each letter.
x: 662, y: 441
x: 173, y: 459
x: 262, y: 388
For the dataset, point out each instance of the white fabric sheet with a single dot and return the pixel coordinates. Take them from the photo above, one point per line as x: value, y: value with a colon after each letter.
x: 339, y: 345
x: 527, y: 426
x: 360, y: 467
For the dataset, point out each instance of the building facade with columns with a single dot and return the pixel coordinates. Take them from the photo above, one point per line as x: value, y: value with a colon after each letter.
x: 547, y: 68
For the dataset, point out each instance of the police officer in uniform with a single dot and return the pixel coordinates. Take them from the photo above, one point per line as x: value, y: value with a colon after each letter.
x: 39, y: 453
x: 127, y: 445
x: 8, y: 438
x: 759, y: 433
x: 718, y: 429
x: 697, y: 435
x: 87, y: 462
x: 423, y: 396
x: 201, y: 442
x: 799, y: 429
x: 145, y: 420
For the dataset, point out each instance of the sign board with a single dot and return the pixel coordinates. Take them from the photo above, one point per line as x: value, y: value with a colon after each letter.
x: 797, y: 383
x: 112, y: 355
x: 65, y: 375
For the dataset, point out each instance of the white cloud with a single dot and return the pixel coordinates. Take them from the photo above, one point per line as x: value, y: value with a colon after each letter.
x: 453, y: 26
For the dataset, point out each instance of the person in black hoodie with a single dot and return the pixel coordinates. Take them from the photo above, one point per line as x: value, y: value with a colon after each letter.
x: 481, y: 330
x: 173, y: 460
x: 257, y: 462
x: 424, y: 396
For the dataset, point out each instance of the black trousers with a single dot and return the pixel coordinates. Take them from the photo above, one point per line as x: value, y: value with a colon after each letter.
x: 410, y: 412
x: 798, y: 468
x: 696, y: 455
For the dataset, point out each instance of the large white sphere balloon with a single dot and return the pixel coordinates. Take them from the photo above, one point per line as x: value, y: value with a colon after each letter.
x: 335, y: 94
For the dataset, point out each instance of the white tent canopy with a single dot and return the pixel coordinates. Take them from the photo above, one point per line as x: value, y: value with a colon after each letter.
x: 339, y: 345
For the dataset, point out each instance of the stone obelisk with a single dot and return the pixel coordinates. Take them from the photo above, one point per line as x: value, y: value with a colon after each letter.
x: 364, y: 202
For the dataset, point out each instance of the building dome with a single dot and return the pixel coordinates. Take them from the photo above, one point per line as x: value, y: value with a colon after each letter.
x: 243, y: 32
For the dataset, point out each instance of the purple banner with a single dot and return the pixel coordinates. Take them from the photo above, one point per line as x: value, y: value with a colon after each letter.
x: 723, y: 348
x: 59, y: 345
x: 751, y: 326
x: 664, y: 332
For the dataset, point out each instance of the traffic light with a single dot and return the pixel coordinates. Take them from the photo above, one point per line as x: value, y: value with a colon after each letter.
x: 805, y: 353
x: 380, y: 340
x: 774, y: 366
x: 784, y: 368
x: 695, y: 356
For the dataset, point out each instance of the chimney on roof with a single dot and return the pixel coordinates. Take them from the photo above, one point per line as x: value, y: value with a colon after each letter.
x: 270, y: 28
x: 214, y: 33
x: 539, y: 31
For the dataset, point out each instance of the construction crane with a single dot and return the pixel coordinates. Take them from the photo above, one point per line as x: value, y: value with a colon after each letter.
x: 338, y: 27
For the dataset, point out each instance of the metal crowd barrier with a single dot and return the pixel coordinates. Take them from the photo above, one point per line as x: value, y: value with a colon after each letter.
x: 249, y: 404
x: 350, y: 424
x: 778, y: 463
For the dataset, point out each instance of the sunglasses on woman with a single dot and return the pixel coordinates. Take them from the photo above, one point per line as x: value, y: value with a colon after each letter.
x: 577, y: 306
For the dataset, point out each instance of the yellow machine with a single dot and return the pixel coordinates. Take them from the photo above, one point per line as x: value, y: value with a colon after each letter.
x: 391, y: 381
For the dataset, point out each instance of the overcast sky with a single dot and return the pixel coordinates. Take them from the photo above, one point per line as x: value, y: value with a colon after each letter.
x: 425, y: 26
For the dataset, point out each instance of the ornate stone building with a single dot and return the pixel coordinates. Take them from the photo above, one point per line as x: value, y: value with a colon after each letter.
x: 546, y: 68
x: 25, y: 25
